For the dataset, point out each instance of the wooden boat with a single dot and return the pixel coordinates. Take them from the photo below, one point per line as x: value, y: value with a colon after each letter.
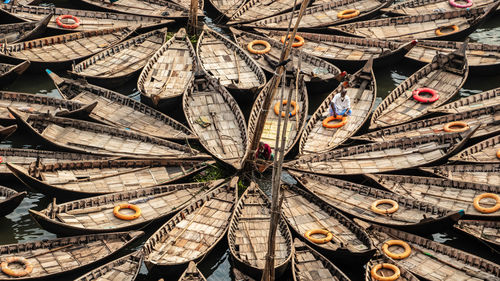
x: 482, y: 58
x: 483, y: 99
x: 154, y: 8
x: 114, y: 66
x: 97, y: 177
x: 405, y: 275
x: 194, y: 231
x: 294, y: 84
x: 428, y: 26
x: 122, y: 269
x: 313, y: 68
x: 117, y: 110
x: 213, y: 114
x: 307, y: 264
x: 259, y: 9
x: 304, y: 211
x: 96, y: 215
x: 486, y: 231
x: 88, y: 137
x: 356, y: 201
x: 322, y: 15
x: 61, y: 50
x: 227, y: 8
x: 240, y: 276
x: 486, y: 151
x: 192, y: 273
x: 5, y: 132
x: 429, y: 259
x: 362, y: 91
x: 17, y: 32
x: 479, y: 173
x: 168, y: 73
x: 9, y: 72
x: 345, y: 51
x: 445, y: 75
x: 224, y: 60
x: 248, y: 233
x: 89, y: 20
x: 9, y: 200
x: 52, y: 258
x: 415, y: 7
x: 445, y: 193
x: 186, y: 4
x: 382, y: 156
x: 486, y: 118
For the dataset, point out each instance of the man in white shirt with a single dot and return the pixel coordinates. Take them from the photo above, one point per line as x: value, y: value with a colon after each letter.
x: 341, y: 104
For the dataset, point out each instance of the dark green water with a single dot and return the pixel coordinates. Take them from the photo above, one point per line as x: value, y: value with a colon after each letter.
x: 19, y: 227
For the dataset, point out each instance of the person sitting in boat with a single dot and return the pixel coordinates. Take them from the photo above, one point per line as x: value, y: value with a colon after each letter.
x: 264, y: 152
x: 341, y: 103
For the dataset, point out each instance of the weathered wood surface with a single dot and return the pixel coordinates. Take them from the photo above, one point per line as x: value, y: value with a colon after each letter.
x: 95, y: 214
x: 446, y: 74
x: 487, y: 231
x: 445, y: 193
x: 382, y: 156
x: 248, y: 234
x: 406, y: 275
x: 54, y: 257
x: 478, y: 173
x: 308, y: 265
x: 362, y: 91
x: 313, y: 68
x: 226, y: 61
x: 419, y: 7
x: 120, y: 111
x: 194, y: 231
x: 240, y: 276
x: 9, y: 72
x: 435, y: 261
x: 123, y: 269
x: 227, y: 7
x: 89, y: 20
x: 17, y: 32
x: 206, y: 102
x: 192, y: 273
x: 9, y: 200
x: 154, y: 8
x: 254, y: 10
x: 483, y: 99
x: 483, y: 152
x: 5, y: 132
x: 356, y: 200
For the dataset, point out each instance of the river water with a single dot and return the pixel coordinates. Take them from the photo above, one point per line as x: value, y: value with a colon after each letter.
x: 19, y: 227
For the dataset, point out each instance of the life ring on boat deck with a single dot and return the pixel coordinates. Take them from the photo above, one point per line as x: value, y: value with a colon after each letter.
x: 348, y: 14
x: 456, y: 5
x: 416, y: 95
x: 498, y: 154
x: 116, y: 211
x: 405, y: 254
x: 439, y: 31
x: 375, y: 209
x: 68, y: 26
x: 462, y: 127
x: 376, y: 268
x: 300, y: 40
x: 28, y: 268
x: 326, y: 122
x: 259, y: 42
x: 487, y: 210
x: 328, y: 236
x: 277, y: 108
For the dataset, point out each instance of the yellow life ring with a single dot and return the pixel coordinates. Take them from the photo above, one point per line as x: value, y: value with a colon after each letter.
x: 487, y: 210
x: 277, y: 108
x: 439, y: 31
x: 259, y: 42
x: 376, y: 268
x: 463, y: 126
x: 348, y: 14
x: 28, y: 268
x: 326, y: 122
x: 328, y: 236
x: 116, y: 211
x: 405, y: 254
x: 375, y: 209
x: 300, y: 40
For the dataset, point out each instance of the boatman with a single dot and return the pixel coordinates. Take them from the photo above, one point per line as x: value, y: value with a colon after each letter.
x: 341, y: 104
x: 264, y: 151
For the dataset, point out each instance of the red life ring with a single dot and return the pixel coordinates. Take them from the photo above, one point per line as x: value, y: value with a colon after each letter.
x: 68, y: 26
x: 417, y: 97
x: 466, y: 5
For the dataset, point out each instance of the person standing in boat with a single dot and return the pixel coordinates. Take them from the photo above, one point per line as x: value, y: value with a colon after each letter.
x: 264, y: 152
x: 341, y: 103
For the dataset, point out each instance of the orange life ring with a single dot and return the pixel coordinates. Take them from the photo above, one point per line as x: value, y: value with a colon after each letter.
x: 328, y: 236
x: 348, y: 14
x: 259, y: 42
x: 375, y: 209
x: 439, y: 31
x: 277, y: 108
x: 463, y: 126
x: 68, y: 26
x: 28, y: 268
x: 300, y: 40
x: 417, y: 97
x: 405, y: 254
x: 326, y: 122
x: 498, y: 153
x: 487, y: 210
x: 376, y: 268
x: 116, y: 211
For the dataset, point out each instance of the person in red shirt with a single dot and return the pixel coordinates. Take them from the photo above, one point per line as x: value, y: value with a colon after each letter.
x: 264, y: 151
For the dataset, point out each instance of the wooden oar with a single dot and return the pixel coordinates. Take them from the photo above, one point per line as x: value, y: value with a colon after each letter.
x: 102, y: 177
